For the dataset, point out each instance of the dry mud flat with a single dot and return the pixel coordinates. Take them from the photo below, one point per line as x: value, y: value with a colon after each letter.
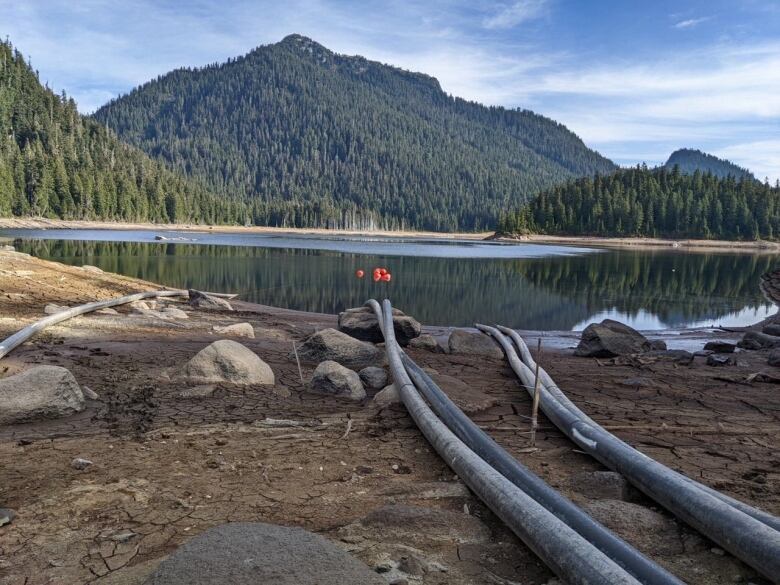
x: 170, y: 460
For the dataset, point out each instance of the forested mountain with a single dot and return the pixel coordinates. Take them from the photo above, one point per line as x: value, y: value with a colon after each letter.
x: 689, y: 161
x: 653, y: 202
x: 308, y: 137
x: 56, y: 163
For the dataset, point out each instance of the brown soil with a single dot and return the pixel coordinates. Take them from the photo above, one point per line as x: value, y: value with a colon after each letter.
x: 165, y: 467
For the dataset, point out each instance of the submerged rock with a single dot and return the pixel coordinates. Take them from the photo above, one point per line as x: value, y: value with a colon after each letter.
x: 201, y: 300
x: 227, y: 361
x: 40, y: 392
x: 361, y: 323
x: 244, y: 553
x: 330, y: 344
x: 334, y: 379
x: 479, y: 344
x: 611, y: 339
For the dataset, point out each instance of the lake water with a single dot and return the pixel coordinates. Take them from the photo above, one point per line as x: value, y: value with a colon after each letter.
x: 527, y: 286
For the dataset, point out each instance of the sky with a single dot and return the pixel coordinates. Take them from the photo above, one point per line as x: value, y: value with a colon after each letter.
x: 634, y: 79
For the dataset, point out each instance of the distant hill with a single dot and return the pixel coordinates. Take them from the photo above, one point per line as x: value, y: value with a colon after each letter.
x: 690, y: 160
x: 307, y: 137
x: 56, y: 163
x: 655, y: 203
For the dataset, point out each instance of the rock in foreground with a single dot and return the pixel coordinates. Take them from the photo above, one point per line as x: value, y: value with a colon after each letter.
x: 40, y: 392
x: 227, y: 361
x: 720, y: 347
x: 611, y: 339
x: 201, y: 300
x: 255, y: 553
x: 361, y: 323
x: 756, y: 340
x: 464, y: 342
x: 334, y: 379
x: 373, y: 378
x: 330, y: 344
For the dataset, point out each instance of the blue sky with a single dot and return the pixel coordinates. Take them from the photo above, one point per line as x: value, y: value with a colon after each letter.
x: 635, y: 79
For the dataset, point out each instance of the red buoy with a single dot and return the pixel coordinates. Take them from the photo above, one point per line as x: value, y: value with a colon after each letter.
x: 377, y: 277
x: 386, y: 277
x: 359, y: 273
x: 383, y: 271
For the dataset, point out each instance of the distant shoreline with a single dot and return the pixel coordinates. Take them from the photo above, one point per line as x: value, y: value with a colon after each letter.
x: 601, y: 242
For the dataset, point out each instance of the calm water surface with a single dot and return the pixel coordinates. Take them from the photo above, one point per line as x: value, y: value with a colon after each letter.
x: 526, y: 286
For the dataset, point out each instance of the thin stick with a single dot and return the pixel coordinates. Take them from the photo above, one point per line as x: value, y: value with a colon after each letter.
x: 349, y: 428
x: 298, y: 361
x: 537, y: 395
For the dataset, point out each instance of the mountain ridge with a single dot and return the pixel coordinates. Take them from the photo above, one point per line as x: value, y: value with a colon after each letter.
x: 690, y: 160
x: 306, y: 137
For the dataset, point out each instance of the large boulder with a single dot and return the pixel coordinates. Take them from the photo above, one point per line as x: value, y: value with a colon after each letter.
x: 361, y: 323
x: 201, y: 300
x: 479, y: 344
x: 330, y: 344
x: 227, y: 361
x: 757, y: 340
x: 254, y: 553
x: 772, y: 329
x: 387, y: 396
x: 719, y: 347
x: 611, y: 339
x: 426, y: 342
x: 40, y: 392
x: 334, y: 379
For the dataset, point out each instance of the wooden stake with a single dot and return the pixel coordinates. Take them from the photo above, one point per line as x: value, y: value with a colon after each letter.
x: 300, y: 373
x: 537, y: 397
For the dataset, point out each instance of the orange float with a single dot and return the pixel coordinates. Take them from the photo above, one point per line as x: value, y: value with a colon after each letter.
x: 360, y: 273
x: 386, y: 277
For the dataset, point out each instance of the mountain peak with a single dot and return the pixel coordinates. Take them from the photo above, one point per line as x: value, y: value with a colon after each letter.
x: 690, y: 160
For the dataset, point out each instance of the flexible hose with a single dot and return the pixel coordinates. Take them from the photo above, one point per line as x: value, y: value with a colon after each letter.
x: 557, y: 393
x: 569, y: 555
x: 745, y: 537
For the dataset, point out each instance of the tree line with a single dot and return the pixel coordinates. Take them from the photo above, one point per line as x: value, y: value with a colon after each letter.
x: 656, y: 202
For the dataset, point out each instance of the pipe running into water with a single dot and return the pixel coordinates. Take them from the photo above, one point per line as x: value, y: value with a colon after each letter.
x: 744, y: 536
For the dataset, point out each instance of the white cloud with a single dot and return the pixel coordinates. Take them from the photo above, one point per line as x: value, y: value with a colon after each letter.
x: 692, y: 22
x: 762, y: 157
x: 514, y: 14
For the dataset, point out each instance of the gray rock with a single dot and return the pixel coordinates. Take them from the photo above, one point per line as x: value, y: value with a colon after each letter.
x: 107, y: 311
x: 373, y: 378
x: 469, y: 399
x: 720, y: 347
x: 426, y: 342
x: 227, y: 361
x: 772, y: 329
x: 330, y: 344
x: 611, y: 339
x: 646, y: 529
x: 601, y: 485
x: 174, y: 313
x: 387, y: 396
x: 79, y: 463
x: 464, y: 342
x: 334, y: 379
x: 361, y: 323
x: 201, y: 300
x: 721, y: 360
x: 40, y: 392
x: 678, y: 356
x: 6, y: 516
x: 261, y: 554
x: 756, y: 340
x: 53, y: 308
x: 140, y: 306
x: 237, y: 330
x: 774, y: 358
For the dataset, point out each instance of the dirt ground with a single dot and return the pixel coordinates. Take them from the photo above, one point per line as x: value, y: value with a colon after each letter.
x: 168, y: 465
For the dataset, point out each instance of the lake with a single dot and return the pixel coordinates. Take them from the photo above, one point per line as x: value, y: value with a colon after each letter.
x: 526, y: 286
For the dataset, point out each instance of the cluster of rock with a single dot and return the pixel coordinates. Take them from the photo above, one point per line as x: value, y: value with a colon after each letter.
x: 767, y: 338
x: 361, y: 323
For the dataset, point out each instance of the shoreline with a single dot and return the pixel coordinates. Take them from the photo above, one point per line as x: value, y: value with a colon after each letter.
x: 687, y: 245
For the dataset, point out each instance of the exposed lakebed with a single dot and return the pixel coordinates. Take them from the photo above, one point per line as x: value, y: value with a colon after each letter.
x: 441, y: 282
